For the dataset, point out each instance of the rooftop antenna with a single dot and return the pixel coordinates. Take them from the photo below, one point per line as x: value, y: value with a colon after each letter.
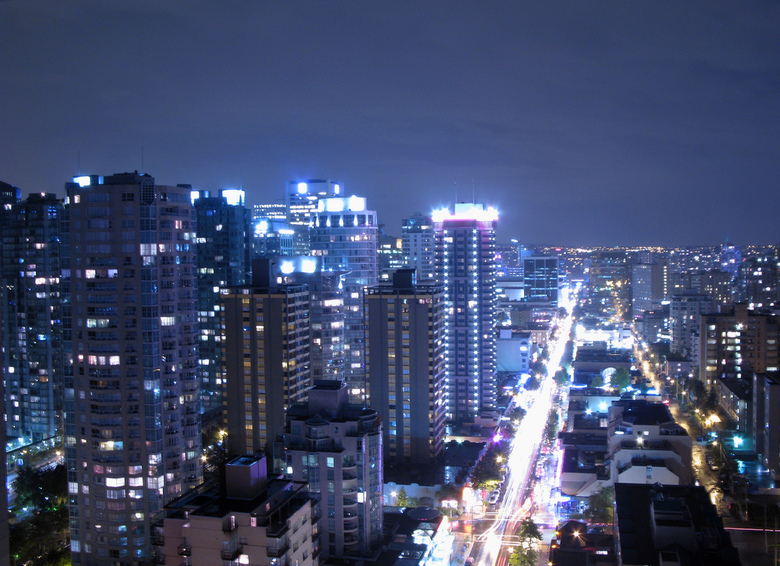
x: 78, y: 162
x: 142, y: 160
x: 455, y: 183
x: 473, y: 194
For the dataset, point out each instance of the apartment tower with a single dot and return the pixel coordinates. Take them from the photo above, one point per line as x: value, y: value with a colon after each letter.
x: 345, y: 238
x: 266, y: 338
x: 465, y: 266
x: 133, y: 438
x: 405, y: 368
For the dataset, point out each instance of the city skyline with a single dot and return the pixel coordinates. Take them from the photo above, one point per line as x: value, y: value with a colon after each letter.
x: 592, y: 124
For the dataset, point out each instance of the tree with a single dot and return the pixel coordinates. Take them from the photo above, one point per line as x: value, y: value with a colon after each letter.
x: 525, y: 554
x: 551, y: 427
x: 600, y: 506
x: 597, y: 381
x: 402, y: 500
x: 561, y: 377
x: 621, y: 379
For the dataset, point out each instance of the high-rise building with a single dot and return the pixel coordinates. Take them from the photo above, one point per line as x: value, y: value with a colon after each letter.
x: 540, y: 279
x: 302, y: 201
x: 647, y: 287
x: 737, y: 341
x: 326, y: 313
x: 266, y: 337
x: 345, y: 237
x: 730, y: 258
x: 418, y: 242
x: 757, y: 282
x: 32, y: 316
x: 405, y: 368
x: 337, y: 448
x: 133, y: 438
x: 685, y: 315
x: 508, y: 264
x: 465, y: 266
x: 223, y: 232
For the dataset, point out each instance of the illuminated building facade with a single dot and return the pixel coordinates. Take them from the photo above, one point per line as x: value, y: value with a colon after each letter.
x: 737, y: 341
x: 540, y: 279
x: 685, y: 315
x: 337, y: 447
x: 757, y: 282
x: 405, y: 367
x: 302, y: 201
x: 222, y: 249
x: 465, y: 266
x: 132, y: 437
x: 418, y: 243
x: 32, y: 315
x: 345, y: 238
x: 647, y: 287
x: 266, y: 333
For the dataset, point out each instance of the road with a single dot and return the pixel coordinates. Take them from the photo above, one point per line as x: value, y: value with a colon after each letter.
x: 490, y: 546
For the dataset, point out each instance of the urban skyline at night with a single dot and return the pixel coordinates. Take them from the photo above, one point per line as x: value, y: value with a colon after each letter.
x: 589, y: 125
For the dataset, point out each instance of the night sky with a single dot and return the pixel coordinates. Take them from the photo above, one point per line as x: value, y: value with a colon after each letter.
x: 584, y: 123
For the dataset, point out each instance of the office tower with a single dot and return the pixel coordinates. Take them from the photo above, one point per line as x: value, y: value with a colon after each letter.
x: 133, y: 425
x: 465, y: 266
x: 337, y: 448
x: 269, y: 211
x: 32, y: 316
x: 685, y: 315
x: 647, y: 287
x: 405, y: 368
x: 302, y: 201
x: 345, y: 237
x: 252, y: 520
x: 730, y: 258
x: 540, y: 279
x: 223, y: 231
x: 608, y: 278
x: 736, y: 341
x: 266, y: 337
x: 418, y: 243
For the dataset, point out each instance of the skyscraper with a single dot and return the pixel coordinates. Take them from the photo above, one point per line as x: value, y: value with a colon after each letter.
x: 405, y: 368
x: 223, y: 231
x: 465, y: 265
x: 345, y: 237
x: 540, y: 279
x: 266, y: 333
x: 418, y: 244
x: 302, y: 200
x: 32, y: 316
x: 133, y: 426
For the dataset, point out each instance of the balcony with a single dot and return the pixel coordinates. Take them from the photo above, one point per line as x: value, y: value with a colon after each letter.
x: 185, y: 549
x: 279, y: 550
x: 350, y: 503
x: 158, y: 558
x: 351, y: 540
x: 158, y: 540
x: 231, y: 553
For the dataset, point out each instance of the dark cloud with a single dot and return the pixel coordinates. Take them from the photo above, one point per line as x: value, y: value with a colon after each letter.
x: 585, y: 123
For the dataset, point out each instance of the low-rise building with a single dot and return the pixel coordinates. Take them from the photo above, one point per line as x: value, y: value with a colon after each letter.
x: 243, y: 519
